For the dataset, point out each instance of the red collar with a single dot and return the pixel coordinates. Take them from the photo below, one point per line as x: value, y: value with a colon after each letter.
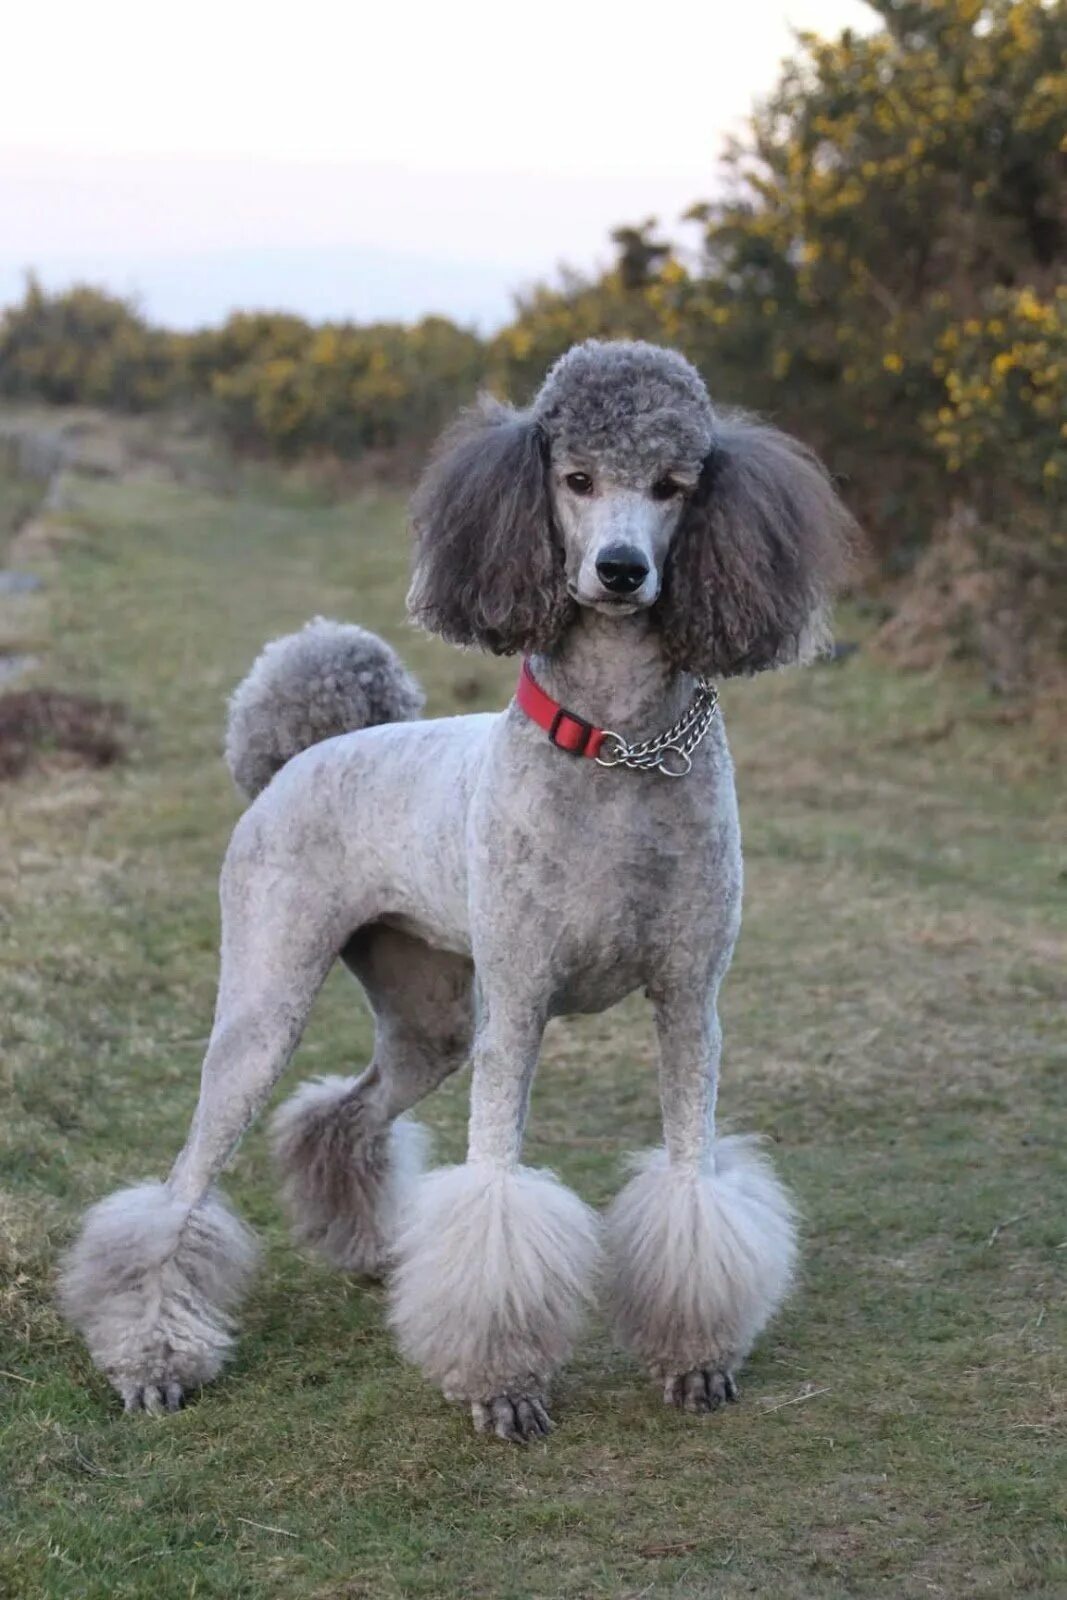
x: 565, y: 730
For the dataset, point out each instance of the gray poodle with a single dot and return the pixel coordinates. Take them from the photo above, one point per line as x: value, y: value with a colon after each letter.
x: 480, y: 874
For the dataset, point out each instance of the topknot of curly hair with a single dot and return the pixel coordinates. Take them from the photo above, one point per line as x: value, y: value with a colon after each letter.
x: 626, y: 398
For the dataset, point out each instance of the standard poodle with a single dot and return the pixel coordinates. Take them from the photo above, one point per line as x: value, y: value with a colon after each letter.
x: 480, y: 874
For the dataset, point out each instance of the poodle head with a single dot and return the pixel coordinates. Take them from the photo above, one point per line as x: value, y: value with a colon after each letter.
x: 621, y: 489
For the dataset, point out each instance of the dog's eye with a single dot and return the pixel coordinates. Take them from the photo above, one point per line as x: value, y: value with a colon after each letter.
x: 665, y: 488
x: 579, y: 482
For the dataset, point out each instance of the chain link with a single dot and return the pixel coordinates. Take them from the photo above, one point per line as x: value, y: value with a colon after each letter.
x: 669, y: 753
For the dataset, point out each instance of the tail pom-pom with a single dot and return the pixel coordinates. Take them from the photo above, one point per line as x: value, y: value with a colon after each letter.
x: 330, y: 678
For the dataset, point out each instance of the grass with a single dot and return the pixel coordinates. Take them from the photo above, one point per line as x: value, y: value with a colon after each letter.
x: 894, y: 1021
x: 19, y: 496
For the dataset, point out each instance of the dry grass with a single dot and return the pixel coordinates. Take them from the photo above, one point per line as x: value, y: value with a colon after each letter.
x: 894, y: 1020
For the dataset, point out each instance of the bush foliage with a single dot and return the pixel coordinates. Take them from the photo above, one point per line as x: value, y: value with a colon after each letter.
x: 86, y: 347
x: 882, y: 273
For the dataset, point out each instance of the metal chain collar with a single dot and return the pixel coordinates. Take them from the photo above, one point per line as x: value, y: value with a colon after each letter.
x: 670, y: 753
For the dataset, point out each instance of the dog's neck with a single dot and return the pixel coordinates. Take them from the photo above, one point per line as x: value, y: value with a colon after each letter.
x: 612, y: 672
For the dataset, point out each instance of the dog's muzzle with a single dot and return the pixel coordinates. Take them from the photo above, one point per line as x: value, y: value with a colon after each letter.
x: 622, y: 569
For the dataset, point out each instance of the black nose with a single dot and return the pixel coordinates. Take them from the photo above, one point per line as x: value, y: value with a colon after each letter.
x: 621, y: 568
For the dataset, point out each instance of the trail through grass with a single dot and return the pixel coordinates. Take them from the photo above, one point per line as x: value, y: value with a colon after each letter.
x: 894, y: 1021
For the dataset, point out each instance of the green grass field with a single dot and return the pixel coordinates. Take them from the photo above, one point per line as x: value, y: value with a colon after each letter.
x: 894, y: 1021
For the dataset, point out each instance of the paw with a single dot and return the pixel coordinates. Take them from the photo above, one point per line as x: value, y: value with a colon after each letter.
x: 700, y: 1391
x: 155, y: 1398
x: 515, y: 1417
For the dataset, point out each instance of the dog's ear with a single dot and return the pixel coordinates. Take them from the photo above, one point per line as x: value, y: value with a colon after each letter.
x: 488, y: 568
x: 756, y: 557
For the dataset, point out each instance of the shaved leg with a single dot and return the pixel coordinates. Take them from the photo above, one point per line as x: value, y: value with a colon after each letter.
x: 347, y: 1163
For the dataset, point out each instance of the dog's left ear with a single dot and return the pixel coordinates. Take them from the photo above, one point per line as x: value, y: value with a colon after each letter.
x: 756, y: 557
x: 488, y: 567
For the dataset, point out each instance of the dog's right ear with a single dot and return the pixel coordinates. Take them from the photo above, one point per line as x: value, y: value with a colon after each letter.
x: 488, y: 568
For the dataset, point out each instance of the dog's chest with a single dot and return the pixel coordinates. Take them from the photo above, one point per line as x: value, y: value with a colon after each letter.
x: 587, y: 880
x: 607, y: 938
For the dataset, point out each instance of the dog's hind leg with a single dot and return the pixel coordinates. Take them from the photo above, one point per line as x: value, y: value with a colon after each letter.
x: 701, y: 1242
x: 347, y: 1155
x: 495, y: 1261
x: 157, y: 1271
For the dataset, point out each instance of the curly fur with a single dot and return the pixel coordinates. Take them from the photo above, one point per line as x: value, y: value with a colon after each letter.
x: 700, y: 1257
x: 488, y: 570
x: 344, y: 1183
x: 495, y: 1268
x: 757, y: 556
x: 625, y: 405
x: 329, y: 678
x: 152, y: 1283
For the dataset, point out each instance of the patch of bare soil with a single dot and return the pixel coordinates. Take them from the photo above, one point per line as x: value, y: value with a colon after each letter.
x: 38, y: 723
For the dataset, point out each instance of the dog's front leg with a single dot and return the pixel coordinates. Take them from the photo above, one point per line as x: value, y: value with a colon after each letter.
x: 701, y: 1240
x: 496, y: 1261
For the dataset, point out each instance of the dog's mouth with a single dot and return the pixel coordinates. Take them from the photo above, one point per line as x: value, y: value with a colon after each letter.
x: 609, y: 605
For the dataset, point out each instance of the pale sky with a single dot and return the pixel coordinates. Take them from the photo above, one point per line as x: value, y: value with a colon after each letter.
x: 364, y: 160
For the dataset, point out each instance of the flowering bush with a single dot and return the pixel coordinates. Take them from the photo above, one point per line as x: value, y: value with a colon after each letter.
x: 1003, y: 410
x: 86, y: 346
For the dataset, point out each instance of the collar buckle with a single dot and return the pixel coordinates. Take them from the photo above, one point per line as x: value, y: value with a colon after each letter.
x: 560, y: 735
